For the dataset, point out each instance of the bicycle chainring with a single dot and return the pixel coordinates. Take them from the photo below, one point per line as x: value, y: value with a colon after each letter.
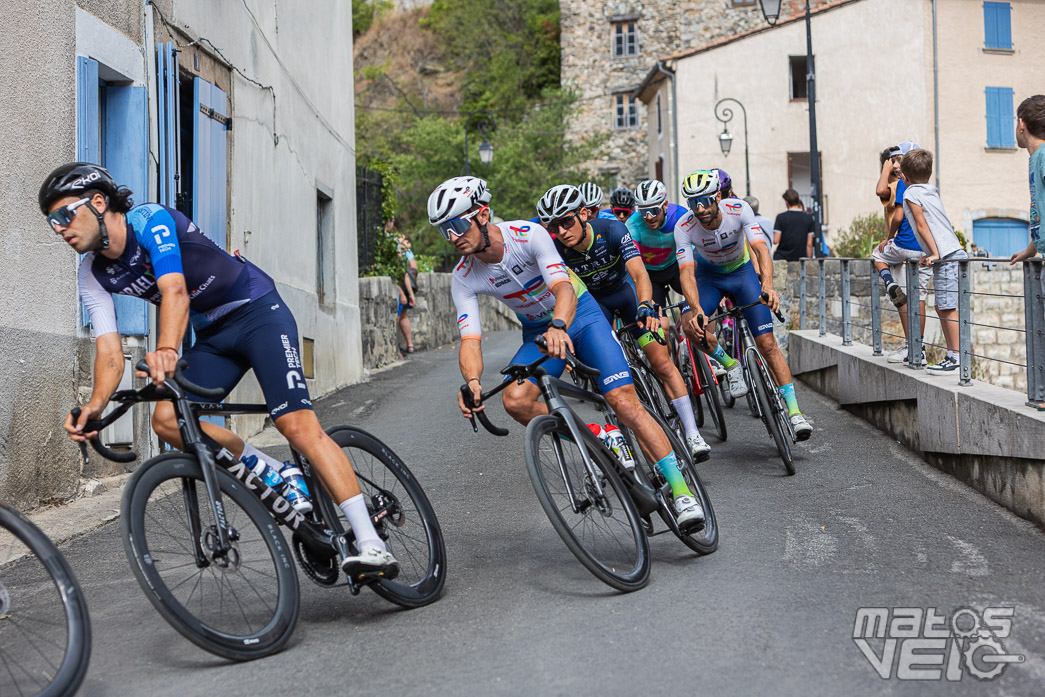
x: 323, y: 572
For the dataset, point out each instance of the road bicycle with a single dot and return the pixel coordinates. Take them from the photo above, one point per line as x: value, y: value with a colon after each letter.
x: 600, y: 508
x: 764, y: 397
x: 45, y: 631
x: 701, y: 382
x: 204, y: 541
x: 648, y: 386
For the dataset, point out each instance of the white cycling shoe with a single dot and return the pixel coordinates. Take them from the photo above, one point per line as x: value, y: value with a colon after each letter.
x: 802, y: 428
x: 371, y: 561
x: 737, y: 385
x: 698, y: 448
x: 688, y: 513
x: 717, y: 368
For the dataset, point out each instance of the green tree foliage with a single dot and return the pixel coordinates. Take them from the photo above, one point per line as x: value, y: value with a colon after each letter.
x: 509, y: 49
x: 364, y: 12
x: 860, y: 238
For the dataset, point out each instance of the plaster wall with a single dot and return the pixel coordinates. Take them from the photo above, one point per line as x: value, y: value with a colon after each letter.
x: 46, y: 355
x: 856, y: 113
x: 281, y: 155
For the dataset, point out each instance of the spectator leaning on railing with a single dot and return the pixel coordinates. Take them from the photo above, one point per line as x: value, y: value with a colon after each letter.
x: 926, y: 216
x: 900, y: 246
x: 1030, y: 134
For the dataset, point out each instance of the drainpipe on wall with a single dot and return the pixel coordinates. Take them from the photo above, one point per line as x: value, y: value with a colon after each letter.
x: 673, y: 143
x: 936, y: 100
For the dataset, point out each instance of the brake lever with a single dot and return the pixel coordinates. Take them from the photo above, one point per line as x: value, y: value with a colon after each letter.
x: 469, y: 402
x: 764, y: 297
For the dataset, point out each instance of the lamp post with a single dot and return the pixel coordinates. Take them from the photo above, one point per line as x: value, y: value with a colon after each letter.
x: 771, y: 11
x: 725, y: 139
x: 483, y: 122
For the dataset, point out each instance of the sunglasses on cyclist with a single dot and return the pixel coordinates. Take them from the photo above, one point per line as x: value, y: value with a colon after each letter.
x: 650, y: 212
x: 702, y: 202
x: 458, y: 226
x: 621, y: 211
x: 61, y: 217
x: 562, y: 223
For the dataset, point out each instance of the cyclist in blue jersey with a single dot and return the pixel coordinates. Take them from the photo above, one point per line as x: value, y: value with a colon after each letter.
x: 516, y: 263
x: 154, y: 252
x: 602, y: 254
x: 622, y: 204
x: 592, y: 195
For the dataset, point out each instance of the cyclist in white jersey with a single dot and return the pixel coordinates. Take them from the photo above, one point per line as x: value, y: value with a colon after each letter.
x: 517, y: 263
x: 715, y: 241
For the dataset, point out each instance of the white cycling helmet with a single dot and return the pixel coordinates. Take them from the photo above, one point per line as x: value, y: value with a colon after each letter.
x: 703, y: 182
x: 559, y: 201
x: 591, y: 194
x: 649, y: 193
x: 455, y: 197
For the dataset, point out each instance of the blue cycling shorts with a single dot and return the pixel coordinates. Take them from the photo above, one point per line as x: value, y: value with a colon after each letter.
x: 742, y: 285
x: 624, y: 302
x: 594, y: 342
x: 261, y: 335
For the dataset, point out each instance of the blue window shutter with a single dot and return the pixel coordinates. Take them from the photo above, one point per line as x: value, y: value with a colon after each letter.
x: 992, y: 117
x: 1006, y: 118
x: 167, y: 89
x: 87, y: 128
x: 997, y: 25
x: 209, y: 175
x: 126, y: 156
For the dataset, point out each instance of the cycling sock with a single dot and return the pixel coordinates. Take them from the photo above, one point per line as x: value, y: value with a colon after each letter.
x: 887, y: 276
x: 359, y: 518
x: 669, y: 467
x: 684, y: 408
x: 953, y: 355
x: 788, y: 393
x: 720, y: 355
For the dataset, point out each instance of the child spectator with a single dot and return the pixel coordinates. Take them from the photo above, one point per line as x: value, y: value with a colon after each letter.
x: 900, y: 245
x: 926, y: 216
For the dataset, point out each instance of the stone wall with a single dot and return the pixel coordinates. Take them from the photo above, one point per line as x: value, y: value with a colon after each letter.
x: 664, y: 27
x: 433, y: 320
x: 995, y: 343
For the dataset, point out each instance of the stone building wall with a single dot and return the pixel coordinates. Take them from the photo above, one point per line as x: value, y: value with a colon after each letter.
x: 433, y: 321
x: 664, y: 27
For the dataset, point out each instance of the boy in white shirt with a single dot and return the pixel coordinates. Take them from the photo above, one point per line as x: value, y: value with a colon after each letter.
x: 927, y: 217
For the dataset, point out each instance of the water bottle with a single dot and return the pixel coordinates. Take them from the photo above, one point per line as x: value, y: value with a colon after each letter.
x: 296, y: 491
x: 615, y: 439
x: 264, y: 472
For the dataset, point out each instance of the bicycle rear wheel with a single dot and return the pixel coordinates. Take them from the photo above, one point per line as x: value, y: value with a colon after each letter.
x: 711, y: 392
x: 725, y: 340
x: 242, y: 607
x: 45, y: 632
x: 683, y: 360
x: 402, y: 515
x: 771, y: 408
x: 704, y: 541
x: 603, y: 529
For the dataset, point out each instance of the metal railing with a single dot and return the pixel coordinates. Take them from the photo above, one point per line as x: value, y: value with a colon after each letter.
x: 1034, y: 315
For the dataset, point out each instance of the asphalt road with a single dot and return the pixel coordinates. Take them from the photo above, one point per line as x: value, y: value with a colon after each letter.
x: 862, y: 524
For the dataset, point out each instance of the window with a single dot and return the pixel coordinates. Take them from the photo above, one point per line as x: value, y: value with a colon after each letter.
x: 626, y: 113
x: 308, y: 357
x: 1001, y: 119
x: 798, y: 77
x: 324, y: 249
x: 625, y: 39
x: 659, y: 124
x: 744, y: 3
x: 997, y: 26
x: 658, y: 169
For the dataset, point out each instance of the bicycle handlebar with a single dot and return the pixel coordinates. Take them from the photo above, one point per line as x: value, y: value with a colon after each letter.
x: 97, y: 444
x: 184, y: 382
x: 656, y: 335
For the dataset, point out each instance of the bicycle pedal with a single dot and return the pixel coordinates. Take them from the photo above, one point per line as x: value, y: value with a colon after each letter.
x: 695, y: 526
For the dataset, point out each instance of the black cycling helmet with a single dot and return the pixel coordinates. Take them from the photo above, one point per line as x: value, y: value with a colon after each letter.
x: 73, y: 179
x: 622, y: 198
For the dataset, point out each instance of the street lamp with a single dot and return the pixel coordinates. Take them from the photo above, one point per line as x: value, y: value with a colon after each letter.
x: 725, y: 139
x: 483, y: 122
x: 771, y: 11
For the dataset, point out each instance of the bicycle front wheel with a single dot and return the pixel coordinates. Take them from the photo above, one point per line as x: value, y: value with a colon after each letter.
x: 594, y: 516
x: 45, y: 632
x: 402, y: 515
x: 242, y: 605
x: 769, y: 402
